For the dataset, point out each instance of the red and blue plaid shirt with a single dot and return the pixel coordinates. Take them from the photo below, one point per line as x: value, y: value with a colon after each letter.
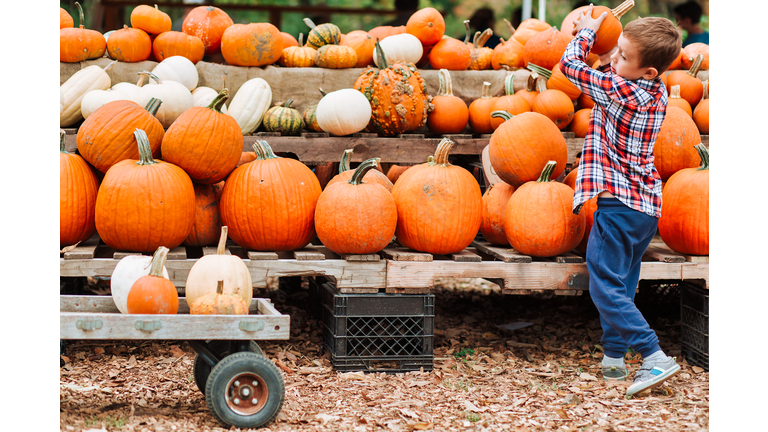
x: 618, y: 150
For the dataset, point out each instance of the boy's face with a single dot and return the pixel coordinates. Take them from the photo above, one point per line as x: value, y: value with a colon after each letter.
x: 626, y: 61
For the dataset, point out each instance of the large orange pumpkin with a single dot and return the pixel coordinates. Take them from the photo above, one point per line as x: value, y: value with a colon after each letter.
x: 78, y: 44
x: 207, y: 226
x: 610, y: 29
x: 545, y: 48
x: 480, y: 111
x: 677, y: 101
x: 129, y: 45
x: 451, y: 114
x: 173, y: 43
x: 527, y: 29
x: 150, y: 19
x: 269, y: 204
x: 439, y: 205
x: 356, y: 216
x: 554, y: 104
x: 254, y: 44
x: 538, y: 219
x: 205, y: 142
x: 510, y: 102
x: 684, y: 222
x: 451, y: 54
x: 427, y: 25
x: 674, y: 147
x: 345, y: 173
x: 107, y: 136
x: 77, y: 199
x: 522, y: 146
x: 153, y: 293
x: 495, y: 201
x: 207, y: 23
x: 145, y: 204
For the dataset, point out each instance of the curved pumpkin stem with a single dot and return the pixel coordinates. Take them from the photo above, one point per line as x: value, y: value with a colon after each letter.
x: 219, y: 100
x: 546, y: 173
x: 482, y: 38
x: 441, y: 153
x: 62, y: 141
x: 309, y: 23
x: 509, y: 84
x: 506, y: 115
x: 380, y: 54
x: 322, y: 92
x: 153, y: 105
x: 541, y: 86
x: 259, y: 151
x: 445, y: 86
x: 546, y: 73
x: 222, y: 246
x: 82, y: 15
x: 224, y: 81
x: 301, y: 39
x: 158, y: 261
x: 621, y: 9
x: 344, y: 164
x: 268, y: 153
x: 694, y: 70
x: 466, y: 28
x: 145, y: 150
x: 151, y: 75
x: 362, y: 170
x: 704, y: 155
x: 705, y: 94
x: 511, y: 29
x: 109, y: 67
x: 674, y: 92
x: 486, y: 92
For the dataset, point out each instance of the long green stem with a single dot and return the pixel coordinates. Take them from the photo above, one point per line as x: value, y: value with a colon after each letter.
x: 445, y: 84
x: 151, y: 75
x: 345, y: 158
x: 82, y: 15
x: 153, y: 105
x: 381, y: 57
x: 466, y: 28
x: 219, y: 100
x: 704, y: 155
x: 509, y: 84
x: 259, y: 151
x: 362, y: 170
x: 145, y: 150
x: 62, y: 141
x: 441, y: 153
x: 546, y: 73
x: 268, y: 153
x: 158, y: 261
x: 222, y: 246
x: 546, y: 173
x: 506, y: 115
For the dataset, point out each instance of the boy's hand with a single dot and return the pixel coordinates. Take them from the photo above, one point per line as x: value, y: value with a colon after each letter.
x: 586, y: 21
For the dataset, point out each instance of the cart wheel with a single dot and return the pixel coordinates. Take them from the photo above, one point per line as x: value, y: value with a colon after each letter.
x: 245, y: 390
x: 201, y: 370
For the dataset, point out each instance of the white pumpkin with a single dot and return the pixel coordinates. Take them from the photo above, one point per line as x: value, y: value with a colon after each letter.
x: 131, y: 89
x: 96, y: 98
x: 403, y: 47
x: 174, y: 96
x: 250, y: 103
x: 179, y: 69
x: 127, y: 271
x: 343, y: 112
x: 61, y: 100
x: 203, y: 96
x: 75, y: 88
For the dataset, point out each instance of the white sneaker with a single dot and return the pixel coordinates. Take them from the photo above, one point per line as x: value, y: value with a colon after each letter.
x: 652, y: 374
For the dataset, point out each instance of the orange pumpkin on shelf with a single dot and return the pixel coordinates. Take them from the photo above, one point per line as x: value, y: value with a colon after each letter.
x: 481, y: 57
x: 363, y: 44
x: 495, y: 201
x: 567, y: 23
x: 65, y: 19
x: 78, y: 187
x: 510, y: 53
x: 677, y: 101
x: 427, y: 25
x: 480, y: 111
x: 381, y: 32
x: 395, y: 171
x: 510, y: 102
x: 153, y: 293
x: 701, y: 113
x: 129, y: 45
x: 674, y: 148
x: 208, y: 24
x: 173, y: 43
x: 289, y: 40
x: 554, y: 104
x: 451, y: 114
x: 78, y: 44
x: 527, y: 29
x: 298, y: 56
x: 691, y: 88
x: 334, y: 56
x: 207, y: 225
x: 545, y: 48
x: 150, y: 19
x: 691, y: 51
x: 451, y: 54
x: 531, y: 90
x: 254, y: 44
x: 580, y: 124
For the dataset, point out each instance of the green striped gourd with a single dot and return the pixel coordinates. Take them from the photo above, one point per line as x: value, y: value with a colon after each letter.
x: 323, y: 34
x: 284, y: 119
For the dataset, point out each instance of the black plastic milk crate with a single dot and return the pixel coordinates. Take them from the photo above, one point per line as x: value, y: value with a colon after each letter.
x: 694, y: 325
x: 378, y: 332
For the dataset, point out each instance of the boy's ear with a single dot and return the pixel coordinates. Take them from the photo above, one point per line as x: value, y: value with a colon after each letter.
x: 651, y: 73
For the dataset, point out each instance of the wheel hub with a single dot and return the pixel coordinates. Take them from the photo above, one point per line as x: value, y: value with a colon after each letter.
x: 247, y: 394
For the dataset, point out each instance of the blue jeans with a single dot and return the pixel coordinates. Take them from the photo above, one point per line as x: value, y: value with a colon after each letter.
x: 617, y: 242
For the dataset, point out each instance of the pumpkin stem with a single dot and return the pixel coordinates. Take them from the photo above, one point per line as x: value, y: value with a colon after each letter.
x: 694, y: 70
x: 62, y: 140
x: 268, y: 153
x: 153, y: 105
x: 259, y: 151
x: 109, y: 67
x: 531, y: 84
x: 380, y: 54
x: 674, y: 92
x: 322, y: 92
x: 705, y: 94
x: 446, y: 86
x: 222, y: 246
x: 506, y: 115
x: 509, y: 84
x: 431, y: 160
x: 287, y: 103
x: 546, y: 173
x: 483, y: 38
x: 82, y: 15
x: 309, y: 23
x: 344, y: 165
x: 486, y: 92
x: 220, y: 287
x: 301, y: 39
x: 224, y: 81
x: 704, y: 155
x: 621, y: 9
x: 151, y: 75
x: 441, y: 153
x: 158, y: 261
x: 546, y: 73
x: 219, y: 100
x: 541, y: 85
x: 511, y: 29
x: 142, y: 78
x: 466, y: 28
x: 145, y: 150
x: 362, y: 170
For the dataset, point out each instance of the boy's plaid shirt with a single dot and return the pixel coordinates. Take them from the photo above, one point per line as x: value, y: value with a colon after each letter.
x: 618, y: 150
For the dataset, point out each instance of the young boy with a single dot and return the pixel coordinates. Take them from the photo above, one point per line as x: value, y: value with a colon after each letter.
x: 617, y: 165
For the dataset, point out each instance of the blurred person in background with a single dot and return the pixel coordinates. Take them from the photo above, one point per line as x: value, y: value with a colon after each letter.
x: 482, y: 19
x: 404, y: 8
x: 688, y: 16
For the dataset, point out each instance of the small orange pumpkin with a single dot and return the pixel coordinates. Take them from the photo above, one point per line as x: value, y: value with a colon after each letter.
x: 691, y: 51
x: 298, y: 56
x: 545, y: 48
x: 219, y: 303
x: 677, y: 101
x: 129, y: 45
x: 691, y: 88
x: 510, y: 102
x: 554, y: 104
x: 153, y: 294
x: 701, y: 113
x: 363, y: 44
x: 173, y: 43
x: 509, y: 53
x: 481, y: 57
x: 395, y: 171
x: 65, y: 19
x: 557, y: 80
x: 580, y: 124
x: 610, y: 29
x: 381, y: 32
x: 334, y: 56
x: 451, y: 114
x: 78, y: 44
x: 208, y: 24
x: 480, y: 111
x: 451, y: 54
x: 254, y: 44
x: 427, y: 25
x: 530, y: 91
x: 150, y: 19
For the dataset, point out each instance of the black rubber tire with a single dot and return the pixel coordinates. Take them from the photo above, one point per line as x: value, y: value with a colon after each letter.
x: 201, y: 370
x: 240, y: 365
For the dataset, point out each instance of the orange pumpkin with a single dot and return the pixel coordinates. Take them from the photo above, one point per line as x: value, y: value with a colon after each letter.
x: 153, y: 294
x: 554, y: 104
x: 334, y: 56
x: 570, y: 18
x: 345, y: 173
x: 674, y: 148
x: 78, y: 44
x: 451, y: 54
x: 691, y: 51
x: 510, y: 103
x: 439, y: 205
x: 451, y: 114
x: 610, y: 29
x: 78, y: 186
x: 522, y: 146
x: 137, y: 197
x: 205, y: 142
x: 545, y: 48
x: 207, y: 226
x: 254, y: 44
x: 480, y: 111
x: 65, y: 19
x: 219, y: 303
x: 557, y: 80
x: 173, y: 43
x: 538, y: 220
x: 527, y: 29
x: 269, y: 204
x: 208, y: 24
x: 381, y: 32
x: 298, y: 56
x: 356, y: 216
x: 677, y: 101
x: 427, y: 25
x: 701, y: 113
x: 495, y: 201
x: 509, y: 53
x: 129, y: 45
x: 530, y: 91
x: 684, y: 222
x: 580, y: 124
x: 363, y: 44
x: 585, y: 101
x: 150, y: 19
x: 481, y: 57
x: 691, y: 88
x: 395, y: 171
x: 677, y: 62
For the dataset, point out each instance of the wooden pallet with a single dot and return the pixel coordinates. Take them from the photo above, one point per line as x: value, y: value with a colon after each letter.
x: 352, y: 273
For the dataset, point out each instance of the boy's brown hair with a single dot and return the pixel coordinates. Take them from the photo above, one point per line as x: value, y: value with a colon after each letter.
x: 658, y: 41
